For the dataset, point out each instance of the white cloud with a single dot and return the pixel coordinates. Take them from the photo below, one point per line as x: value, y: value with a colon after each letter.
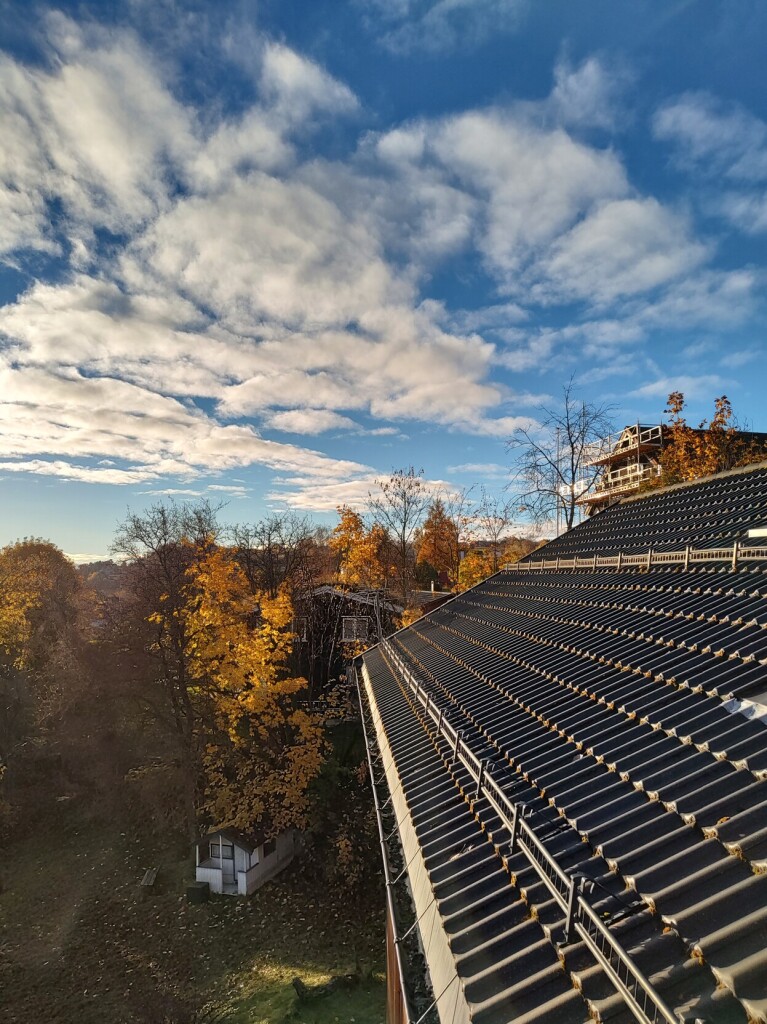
x: 535, y: 183
x: 326, y: 497
x: 747, y: 211
x: 725, y: 145
x: 68, y: 418
x: 709, y: 298
x: 693, y: 387
x: 296, y: 87
x: 309, y: 421
x: 483, y: 469
x: 97, y: 132
x: 246, y: 281
x: 589, y: 95
x: 487, y: 318
x: 440, y: 25
x: 238, y: 490
x: 80, y: 558
x: 741, y: 357
x: 624, y: 247
x: 716, y: 137
x: 556, y: 219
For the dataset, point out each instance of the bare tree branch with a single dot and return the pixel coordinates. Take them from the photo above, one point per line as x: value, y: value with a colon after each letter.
x: 399, y: 506
x: 552, y: 460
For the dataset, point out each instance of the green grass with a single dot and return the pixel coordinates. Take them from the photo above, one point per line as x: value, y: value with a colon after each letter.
x: 273, y: 1000
x: 78, y: 945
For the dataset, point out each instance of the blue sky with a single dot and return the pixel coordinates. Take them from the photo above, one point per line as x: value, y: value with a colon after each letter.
x: 267, y: 252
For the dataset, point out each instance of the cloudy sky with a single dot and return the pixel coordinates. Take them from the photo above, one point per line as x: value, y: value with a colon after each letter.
x: 268, y: 251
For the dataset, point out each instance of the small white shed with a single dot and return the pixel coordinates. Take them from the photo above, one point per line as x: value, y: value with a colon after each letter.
x: 236, y: 864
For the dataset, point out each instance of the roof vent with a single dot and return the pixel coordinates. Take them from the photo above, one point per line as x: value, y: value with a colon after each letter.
x: 758, y: 531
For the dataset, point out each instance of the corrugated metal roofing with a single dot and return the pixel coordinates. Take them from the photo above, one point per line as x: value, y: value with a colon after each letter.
x: 711, y: 513
x: 598, y: 699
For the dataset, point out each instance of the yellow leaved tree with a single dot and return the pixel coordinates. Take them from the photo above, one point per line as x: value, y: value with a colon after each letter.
x: 40, y: 667
x: 361, y: 552
x: 264, y: 746
x: 476, y: 565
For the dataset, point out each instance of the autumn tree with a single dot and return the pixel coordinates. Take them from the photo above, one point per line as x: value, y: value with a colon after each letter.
x: 438, y: 541
x: 153, y: 643
x: 398, y: 505
x: 208, y: 651
x: 265, y: 746
x: 690, y: 452
x: 41, y: 665
x: 476, y: 565
x: 361, y: 552
x: 553, y: 455
x: 441, y: 539
x: 515, y: 548
x: 38, y: 589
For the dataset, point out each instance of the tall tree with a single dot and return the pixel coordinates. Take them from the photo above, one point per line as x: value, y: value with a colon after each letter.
x: 41, y: 655
x: 277, y: 551
x: 162, y: 544
x: 361, y: 552
x: 399, y: 505
x: 438, y: 541
x: 265, y: 746
x: 552, y: 457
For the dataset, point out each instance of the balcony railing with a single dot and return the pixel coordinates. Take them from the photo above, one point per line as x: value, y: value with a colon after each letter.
x: 626, y: 478
x: 624, y: 442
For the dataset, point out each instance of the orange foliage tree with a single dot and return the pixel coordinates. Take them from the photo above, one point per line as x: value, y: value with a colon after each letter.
x: 361, y: 552
x: 476, y: 565
x: 265, y: 746
x: 38, y: 590
x: 438, y: 542
x: 211, y: 655
x: 41, y: 668
x: 690, y: 453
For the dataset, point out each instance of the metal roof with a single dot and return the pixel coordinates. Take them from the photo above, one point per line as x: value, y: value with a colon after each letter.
x: 549, y: 725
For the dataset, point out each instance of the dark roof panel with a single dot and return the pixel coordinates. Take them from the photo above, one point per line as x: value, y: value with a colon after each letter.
x: 603, y: 702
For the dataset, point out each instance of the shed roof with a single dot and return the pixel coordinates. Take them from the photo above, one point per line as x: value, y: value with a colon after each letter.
x: 602, y: 701
x: 239, y: 839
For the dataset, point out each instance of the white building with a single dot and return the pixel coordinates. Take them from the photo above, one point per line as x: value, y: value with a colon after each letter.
x: 237, y: 865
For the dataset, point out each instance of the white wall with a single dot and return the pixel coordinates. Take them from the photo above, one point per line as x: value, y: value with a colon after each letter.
x: 267, y: 867
x: 212, y: 876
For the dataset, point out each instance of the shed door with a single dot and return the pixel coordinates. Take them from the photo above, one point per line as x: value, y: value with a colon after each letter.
x: 227, y: 861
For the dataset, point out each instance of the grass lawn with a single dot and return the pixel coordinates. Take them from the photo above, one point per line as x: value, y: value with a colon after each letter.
x: 78, y: 946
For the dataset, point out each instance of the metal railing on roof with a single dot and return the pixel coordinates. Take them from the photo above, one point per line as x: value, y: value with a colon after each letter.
x: 647, y: 1005
x: 401, y: 981
x: 686, y: 557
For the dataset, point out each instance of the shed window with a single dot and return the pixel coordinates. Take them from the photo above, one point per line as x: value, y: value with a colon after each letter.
x: 301, y: 628
x: 226, y: 851
x: 355, y: 627
x: 269, y: 847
